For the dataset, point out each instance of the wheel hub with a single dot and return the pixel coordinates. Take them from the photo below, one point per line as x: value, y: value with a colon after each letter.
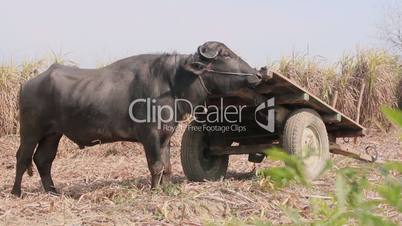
x: 311, y: 146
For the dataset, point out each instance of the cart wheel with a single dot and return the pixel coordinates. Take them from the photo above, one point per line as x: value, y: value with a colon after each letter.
x: 306, y: 136
x: 197, y: 164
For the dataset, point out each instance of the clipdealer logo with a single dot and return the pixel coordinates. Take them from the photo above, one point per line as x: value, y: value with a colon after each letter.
x: 269, y: 106
x: 147, y: 110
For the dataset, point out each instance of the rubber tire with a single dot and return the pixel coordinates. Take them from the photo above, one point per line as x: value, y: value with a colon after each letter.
x: 196, y: 166
x: 292, y: 138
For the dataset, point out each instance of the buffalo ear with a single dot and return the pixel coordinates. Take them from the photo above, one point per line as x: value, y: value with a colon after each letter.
x: 196, y: 67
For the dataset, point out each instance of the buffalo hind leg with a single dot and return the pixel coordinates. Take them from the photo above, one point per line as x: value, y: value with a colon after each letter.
x: 43, y: 158
x: 24, y: 161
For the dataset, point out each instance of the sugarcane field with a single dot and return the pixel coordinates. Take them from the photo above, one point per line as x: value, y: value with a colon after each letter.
x: 212, y: 113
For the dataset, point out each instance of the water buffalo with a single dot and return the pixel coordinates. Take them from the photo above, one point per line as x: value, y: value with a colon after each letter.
x: 91, y: 106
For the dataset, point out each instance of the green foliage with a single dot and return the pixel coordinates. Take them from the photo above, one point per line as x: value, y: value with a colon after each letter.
x: 392, y: 166
x: 391, y: 191
x: 172, y: 189
x: 367, y: 219
x: 394, y: 115
x: 282, y: 176
x: 349, y: 187
x: 349, y: 204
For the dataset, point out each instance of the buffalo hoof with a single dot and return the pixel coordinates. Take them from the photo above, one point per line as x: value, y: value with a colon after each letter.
x: 16, y: 192
x: 53, y: 192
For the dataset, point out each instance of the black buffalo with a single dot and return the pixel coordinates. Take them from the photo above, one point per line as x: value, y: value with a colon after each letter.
x: 91, y: 106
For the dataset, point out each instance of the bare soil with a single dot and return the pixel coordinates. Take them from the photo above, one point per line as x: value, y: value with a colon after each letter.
x: 109, y: 185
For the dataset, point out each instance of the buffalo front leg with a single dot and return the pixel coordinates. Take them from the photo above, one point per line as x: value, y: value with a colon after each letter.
x: 158, y: 157
x: 165, y: 156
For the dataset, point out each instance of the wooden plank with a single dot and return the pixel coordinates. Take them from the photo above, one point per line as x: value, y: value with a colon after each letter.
x: 347, y: 133
x: 269, y: 88
x: 359, y: 103
x: 357, y: 129
x: 292, y: 98
x: 332, y: 118
x: 334, y: 99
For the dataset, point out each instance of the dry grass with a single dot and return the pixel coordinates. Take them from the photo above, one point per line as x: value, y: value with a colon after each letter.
x: 11, y: 78
x: 309, y: 73
x: 378, y: 70
x: 400, y: 94
x: 109, y: 185
x: 380, y: 73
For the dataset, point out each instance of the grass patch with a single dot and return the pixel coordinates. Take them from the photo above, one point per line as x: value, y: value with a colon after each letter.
x: 378, y: 70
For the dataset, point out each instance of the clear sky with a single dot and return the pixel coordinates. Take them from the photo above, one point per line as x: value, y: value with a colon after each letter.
x: 91, y: 32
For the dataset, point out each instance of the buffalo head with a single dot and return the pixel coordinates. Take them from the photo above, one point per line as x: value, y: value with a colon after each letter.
x: 222, y: 71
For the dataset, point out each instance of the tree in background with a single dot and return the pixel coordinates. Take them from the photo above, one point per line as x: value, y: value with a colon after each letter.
x: 391, y: 27
x: 391, y: 32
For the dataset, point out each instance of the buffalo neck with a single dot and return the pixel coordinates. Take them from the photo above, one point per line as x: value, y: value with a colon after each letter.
x: 186, y: 86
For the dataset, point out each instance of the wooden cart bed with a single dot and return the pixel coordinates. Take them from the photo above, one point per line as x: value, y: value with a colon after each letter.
x: 287, y: 92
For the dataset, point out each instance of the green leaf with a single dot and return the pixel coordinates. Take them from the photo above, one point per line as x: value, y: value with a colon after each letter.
x: 349, y: 187
x: 280, y: 176
x: 391, y: 191
x: 261, y: 223
x: 367, y: 219
x: 341, y: 192
x: 294, y: 216
x: 394, y: 115
x: 393, y: 165
x: 294, y: 165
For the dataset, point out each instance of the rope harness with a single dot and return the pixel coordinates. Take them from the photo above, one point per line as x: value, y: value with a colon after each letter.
x: 222, y: 73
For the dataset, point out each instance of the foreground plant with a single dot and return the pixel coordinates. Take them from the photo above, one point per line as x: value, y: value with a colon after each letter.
x: 349, y: 204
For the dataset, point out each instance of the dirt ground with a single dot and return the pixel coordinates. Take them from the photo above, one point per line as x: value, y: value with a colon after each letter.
x: 109, y: 185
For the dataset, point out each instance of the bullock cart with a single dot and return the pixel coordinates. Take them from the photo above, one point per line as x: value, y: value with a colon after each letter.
x: 278, y: 113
